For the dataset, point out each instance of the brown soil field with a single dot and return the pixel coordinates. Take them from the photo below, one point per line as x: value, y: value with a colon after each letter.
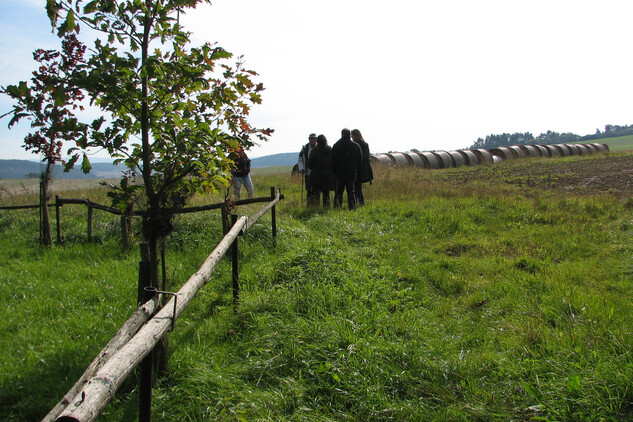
x: 597, y: 174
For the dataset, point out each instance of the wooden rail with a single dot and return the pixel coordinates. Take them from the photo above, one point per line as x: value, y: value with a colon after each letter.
x: 134, y: 323
x: 95, y: 390
x: 22, y: 207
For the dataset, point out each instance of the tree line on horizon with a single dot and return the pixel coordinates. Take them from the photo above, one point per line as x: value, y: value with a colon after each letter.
x: 549, y: 137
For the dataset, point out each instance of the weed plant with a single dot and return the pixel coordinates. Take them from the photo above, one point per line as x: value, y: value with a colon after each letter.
x: 435, y: 301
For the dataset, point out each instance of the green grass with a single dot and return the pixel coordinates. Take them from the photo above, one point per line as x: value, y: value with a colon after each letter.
x: 271, y: 170
x: 433, y: 302
x: 619, y: 144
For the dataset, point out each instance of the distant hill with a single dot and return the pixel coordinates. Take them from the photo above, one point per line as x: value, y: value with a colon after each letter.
x: 275, y: 160
x: 24, y: 169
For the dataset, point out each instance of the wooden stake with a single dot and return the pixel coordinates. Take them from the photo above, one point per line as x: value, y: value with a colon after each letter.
x: 235, y: 266
x: 57, y: 217
x: 273, y: 215
x: 90, y: 209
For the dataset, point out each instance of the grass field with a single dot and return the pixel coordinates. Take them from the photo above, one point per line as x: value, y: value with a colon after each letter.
x: 619, y: 144
x: 436, y: 301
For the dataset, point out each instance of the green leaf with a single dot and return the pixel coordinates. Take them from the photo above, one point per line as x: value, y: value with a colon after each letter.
x: 20, y: 90
x: 68, y: 25
x: 91, y: 7
x: 96, y: 124
x: 85, y: 165
x: 220, y: 53
x: 70, y: 163
x: 16, y: 118
x: 59, y: 96
x: 52, y: 10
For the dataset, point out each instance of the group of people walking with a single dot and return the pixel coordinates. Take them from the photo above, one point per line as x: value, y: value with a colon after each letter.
x: 344, y: 167
x: 341, y: 168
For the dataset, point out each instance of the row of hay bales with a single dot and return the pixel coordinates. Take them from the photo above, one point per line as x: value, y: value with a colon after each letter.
x: 474, y: 157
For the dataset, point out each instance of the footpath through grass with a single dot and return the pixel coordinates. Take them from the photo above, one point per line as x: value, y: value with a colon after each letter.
x: 433, y: 302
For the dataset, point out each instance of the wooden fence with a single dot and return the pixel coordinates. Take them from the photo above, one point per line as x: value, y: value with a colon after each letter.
x: 138, y: 336
x: 126, y: 217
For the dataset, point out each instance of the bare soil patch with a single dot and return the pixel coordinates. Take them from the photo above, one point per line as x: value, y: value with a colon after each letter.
x: 596, y: 174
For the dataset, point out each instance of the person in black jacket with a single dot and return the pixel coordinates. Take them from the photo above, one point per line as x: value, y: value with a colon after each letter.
x: 321, y: 176
x: 365, y: 173
x: 346, y: 160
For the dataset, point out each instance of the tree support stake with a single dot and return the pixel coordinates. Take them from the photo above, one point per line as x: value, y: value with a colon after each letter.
x: 235, y: 267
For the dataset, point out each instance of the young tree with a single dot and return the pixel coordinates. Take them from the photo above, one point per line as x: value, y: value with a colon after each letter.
x: 175, y: 110
x: 49, y: 102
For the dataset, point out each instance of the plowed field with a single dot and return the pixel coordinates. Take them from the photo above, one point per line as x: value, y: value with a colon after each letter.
x: 597, y: 174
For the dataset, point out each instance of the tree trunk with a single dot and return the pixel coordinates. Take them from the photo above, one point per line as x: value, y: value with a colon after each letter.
x: 152, y: 223
x: 45, y: 225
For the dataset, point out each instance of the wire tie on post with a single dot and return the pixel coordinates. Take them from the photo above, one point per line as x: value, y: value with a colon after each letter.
x: 154, y: 290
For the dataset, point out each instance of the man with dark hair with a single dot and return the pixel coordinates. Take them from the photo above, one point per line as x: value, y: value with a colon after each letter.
x: 302, y: 164
x: 346, y: 161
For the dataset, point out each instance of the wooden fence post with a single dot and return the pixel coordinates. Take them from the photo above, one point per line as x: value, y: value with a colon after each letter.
x: 143, y: 272
x: 90, y: 209
x: 145, y: 378
x: 126, y: 224
x: 57, y: 217
x: 125, y: 232
x: 235, y: 266
x: 225, y: 218
x: 163, y: 265
x: 45, y: 224
x: 273, y: 215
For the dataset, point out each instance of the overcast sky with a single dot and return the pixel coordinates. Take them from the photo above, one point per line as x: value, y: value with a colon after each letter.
x: 409, y: 74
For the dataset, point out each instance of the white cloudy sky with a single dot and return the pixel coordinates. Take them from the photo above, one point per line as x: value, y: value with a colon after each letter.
x: 409, y: 74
